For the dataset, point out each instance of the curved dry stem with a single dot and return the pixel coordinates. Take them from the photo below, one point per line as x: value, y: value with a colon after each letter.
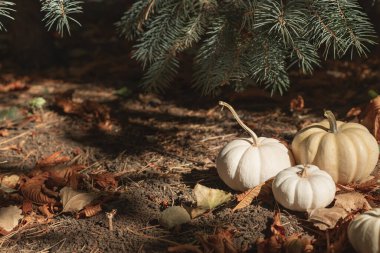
x: 237, y: 118
x: 332, y: 121
x: 304, y: 170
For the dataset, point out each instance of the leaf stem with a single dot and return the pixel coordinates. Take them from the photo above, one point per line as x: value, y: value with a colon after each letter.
x: 237, y: 118
x: 332, y: 121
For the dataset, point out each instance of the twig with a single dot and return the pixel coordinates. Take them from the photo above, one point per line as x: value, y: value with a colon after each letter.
x: 110, y: 216
x: 16, y: 137
x: 217, y: 137
x: 25, y: 133
x: 151, y: 237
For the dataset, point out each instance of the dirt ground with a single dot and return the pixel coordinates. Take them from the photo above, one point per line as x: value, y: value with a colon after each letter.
x: 161, y: 145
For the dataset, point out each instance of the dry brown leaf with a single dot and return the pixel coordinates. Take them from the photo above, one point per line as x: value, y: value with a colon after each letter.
x: 367, y: 185
x: 184, y: 248
x: 106, y: 126
x: 277, y: 228
x: 371, y: 117
x: 46, y: 210
x: 89, y: 211
x: 65, y: 176
x: 354, y: 112
x: 345, y: 203
x: 299, y: 244
x: 4, y: 132
x: 74, y: 201
x: 340, y: 244
x: 351, y: 201
x: 52, y: 160
x: 246, y: 198
x: 297, y: 104
x: 220, y: 242
x: 27, y: 206
x: 69, y: 106
x: 13, y: 86
x: 32, y: 190
x: 104, y: 180
x: 9, y: 217
x: 327, y: 218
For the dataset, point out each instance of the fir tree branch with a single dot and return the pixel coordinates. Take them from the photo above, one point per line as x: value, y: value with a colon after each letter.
x: 58, y: 13
x: 5, y: 11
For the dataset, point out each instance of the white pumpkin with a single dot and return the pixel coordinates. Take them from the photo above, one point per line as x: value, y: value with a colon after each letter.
x: 303, y: 187
x: 347, y: 151
x: 245, y: 163
x: 364, y: 232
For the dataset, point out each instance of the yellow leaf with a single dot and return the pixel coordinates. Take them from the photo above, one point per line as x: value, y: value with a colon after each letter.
x: 208, y: 198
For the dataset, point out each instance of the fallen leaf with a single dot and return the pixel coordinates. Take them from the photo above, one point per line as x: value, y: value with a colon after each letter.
x: 345, y: 203
x: 277, y: 228
x: 246, y: 198
x: 64, y: 175
x: 368, y: 185
x: 11, y: 114
x: 46, y: 210
x: 297, y: 104
x: 10, y: 181
x: 299, y: 244
x: 32, y: 190
x: 27, y: 206
x: 74, y: 201
x: 354, y: 112
x: 351, y: 201
x: 4, y: 132
x: 9, y: 217
x: 370, y: 117
x: 89, y: 211
x: 52, y: 160
x: 174, y: 216
x: 188, y: 248
x: 104, y: 180
x: 338, y: 243
x: 327, y: 218
x: 208, y: 198
x: 13, y: 86
x: 220, y: 242
x: 106, y: 126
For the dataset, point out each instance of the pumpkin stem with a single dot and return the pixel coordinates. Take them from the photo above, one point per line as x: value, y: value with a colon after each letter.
x: 237, y: 118
x: 332, y: 120
x: 304, y: 171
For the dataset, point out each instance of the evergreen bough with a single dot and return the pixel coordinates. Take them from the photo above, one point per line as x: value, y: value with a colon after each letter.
x: 238, y: 41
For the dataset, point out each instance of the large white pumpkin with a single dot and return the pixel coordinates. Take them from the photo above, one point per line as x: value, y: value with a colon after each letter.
x: 347, y: 151
x: 247, y: 162
x: 364, y: 232
x: 303, y: 187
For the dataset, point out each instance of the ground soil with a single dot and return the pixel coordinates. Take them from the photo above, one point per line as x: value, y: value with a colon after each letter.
x: 163, y: 144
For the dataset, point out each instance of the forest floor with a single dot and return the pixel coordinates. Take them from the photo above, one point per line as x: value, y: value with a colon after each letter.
x: 158, y: 147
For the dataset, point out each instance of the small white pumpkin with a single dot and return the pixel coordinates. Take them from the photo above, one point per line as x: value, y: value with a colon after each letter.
x: 364, y: 232
x: 303, y: 187
x: 245, y: 163
x: 347, y: 151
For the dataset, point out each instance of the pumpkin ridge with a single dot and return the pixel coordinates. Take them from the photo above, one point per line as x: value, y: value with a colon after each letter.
x: 361, y: 155
x: 314, y: 138
x: 347, y: 148
x: 294, y: 194
x: 239, y: 170
x: 370, y: 167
